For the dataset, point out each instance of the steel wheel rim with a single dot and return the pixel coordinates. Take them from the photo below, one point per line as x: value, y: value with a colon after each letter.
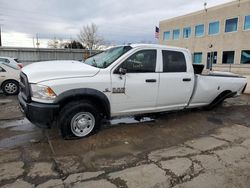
x: 82, y: 124
x: 10, y: 88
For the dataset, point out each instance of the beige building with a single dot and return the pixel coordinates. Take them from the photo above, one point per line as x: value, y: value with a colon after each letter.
x: 218, y: 35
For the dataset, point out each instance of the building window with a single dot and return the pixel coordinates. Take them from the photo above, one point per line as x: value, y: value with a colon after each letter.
x: 247, y: 22
x: 199, y: 30
x: 214, y: 28
x: 176, y: 34
x: 166, y: 35
x: 228, y: 57
x: 245, y: 57
x: 186, y: 32
x: 197, y: 58
x: 231, y: 25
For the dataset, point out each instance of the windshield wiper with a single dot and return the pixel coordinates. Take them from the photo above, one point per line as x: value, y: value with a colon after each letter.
x: 104, y: 64
x: 94, y: 62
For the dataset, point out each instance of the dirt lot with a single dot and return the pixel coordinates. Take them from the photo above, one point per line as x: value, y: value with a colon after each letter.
x: 192, y: 148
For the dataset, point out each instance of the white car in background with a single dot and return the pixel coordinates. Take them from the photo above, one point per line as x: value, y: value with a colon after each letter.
x: 9, y: 79
x: 13, y: 62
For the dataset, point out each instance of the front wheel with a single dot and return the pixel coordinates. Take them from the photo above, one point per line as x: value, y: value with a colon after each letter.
x: 10, y: 87
x: 79, y: 119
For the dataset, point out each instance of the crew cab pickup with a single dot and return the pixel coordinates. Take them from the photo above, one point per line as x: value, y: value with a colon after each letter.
x: 124, y: 80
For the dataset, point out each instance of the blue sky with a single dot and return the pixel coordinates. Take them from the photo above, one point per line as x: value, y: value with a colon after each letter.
x: 123, y: 21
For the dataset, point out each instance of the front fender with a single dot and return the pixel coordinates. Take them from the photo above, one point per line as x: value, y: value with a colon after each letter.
x: 88, y: 93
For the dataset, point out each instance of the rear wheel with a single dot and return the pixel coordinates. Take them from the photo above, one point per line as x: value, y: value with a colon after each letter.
x: 79, y: 119
x: 10, y: 87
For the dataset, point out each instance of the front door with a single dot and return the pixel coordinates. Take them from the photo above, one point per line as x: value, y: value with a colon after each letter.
x: 135, y: 91
x: 211, y: 59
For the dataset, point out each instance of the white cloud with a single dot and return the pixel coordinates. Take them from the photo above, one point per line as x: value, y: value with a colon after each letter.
x: 15, y: 39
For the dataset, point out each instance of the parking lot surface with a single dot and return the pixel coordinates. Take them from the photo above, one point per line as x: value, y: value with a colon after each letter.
x: 193, y: 148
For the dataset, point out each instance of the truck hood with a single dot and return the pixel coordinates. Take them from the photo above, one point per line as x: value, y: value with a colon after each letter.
x: 50, y: 70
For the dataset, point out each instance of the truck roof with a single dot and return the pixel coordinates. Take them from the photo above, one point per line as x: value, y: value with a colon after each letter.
x: 158, y: 46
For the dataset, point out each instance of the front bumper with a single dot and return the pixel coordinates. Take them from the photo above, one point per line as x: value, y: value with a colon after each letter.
x: 39, y: 114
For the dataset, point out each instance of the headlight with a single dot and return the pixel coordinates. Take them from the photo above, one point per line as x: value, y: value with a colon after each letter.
x: 42, y: 92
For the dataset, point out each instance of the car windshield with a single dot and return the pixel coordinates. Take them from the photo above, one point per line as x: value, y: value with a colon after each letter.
x: 106, y: 58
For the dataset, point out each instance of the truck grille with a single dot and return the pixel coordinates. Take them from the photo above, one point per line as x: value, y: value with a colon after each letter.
x: 24, y: 87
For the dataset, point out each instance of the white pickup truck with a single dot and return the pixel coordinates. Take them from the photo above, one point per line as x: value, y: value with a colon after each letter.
x: 125, y: 80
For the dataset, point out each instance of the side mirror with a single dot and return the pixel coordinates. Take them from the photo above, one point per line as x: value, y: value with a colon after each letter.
x: 122, y: 71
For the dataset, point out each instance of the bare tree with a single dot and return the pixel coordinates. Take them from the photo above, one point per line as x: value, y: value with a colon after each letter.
x: 89, y: 37
x: 54, y: 43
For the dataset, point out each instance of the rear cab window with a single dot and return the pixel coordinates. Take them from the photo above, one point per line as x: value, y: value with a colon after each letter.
x: 173, y: 61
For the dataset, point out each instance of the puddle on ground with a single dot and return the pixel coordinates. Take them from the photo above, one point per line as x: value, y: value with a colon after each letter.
x: 23, y: 132
x: 128, y: 120
x: 18, y: 125
x: 21, y: 139
x: 215, y: 120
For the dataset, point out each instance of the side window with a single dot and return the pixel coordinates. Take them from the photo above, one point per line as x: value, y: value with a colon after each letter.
x: 142, y: 61
x: 4, y: 60
x: 173, y: 61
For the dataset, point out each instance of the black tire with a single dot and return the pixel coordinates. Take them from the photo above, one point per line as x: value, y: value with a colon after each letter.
x: 68, y: 116
x: 10, y: 87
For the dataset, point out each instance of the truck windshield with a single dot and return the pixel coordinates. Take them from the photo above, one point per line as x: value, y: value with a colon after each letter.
x: 106, y: 58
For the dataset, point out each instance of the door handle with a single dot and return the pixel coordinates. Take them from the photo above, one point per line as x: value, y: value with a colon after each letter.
x: 150, y: 80
x: 186, y: 79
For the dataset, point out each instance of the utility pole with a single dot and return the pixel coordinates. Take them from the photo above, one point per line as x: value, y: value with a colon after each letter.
x: 34, y: 43
x: 70, y: 42
x: 37, y: 42
x: 1, y: 29
x: 0, y: 36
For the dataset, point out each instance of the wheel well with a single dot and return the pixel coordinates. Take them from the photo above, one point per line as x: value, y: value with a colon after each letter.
x: 8, y: 81
x: 221, y: 97
x: 99, y: 103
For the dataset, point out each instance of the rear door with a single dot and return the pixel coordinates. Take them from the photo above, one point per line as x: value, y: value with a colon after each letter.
x: 176, y: 80
x: 136, y: 91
